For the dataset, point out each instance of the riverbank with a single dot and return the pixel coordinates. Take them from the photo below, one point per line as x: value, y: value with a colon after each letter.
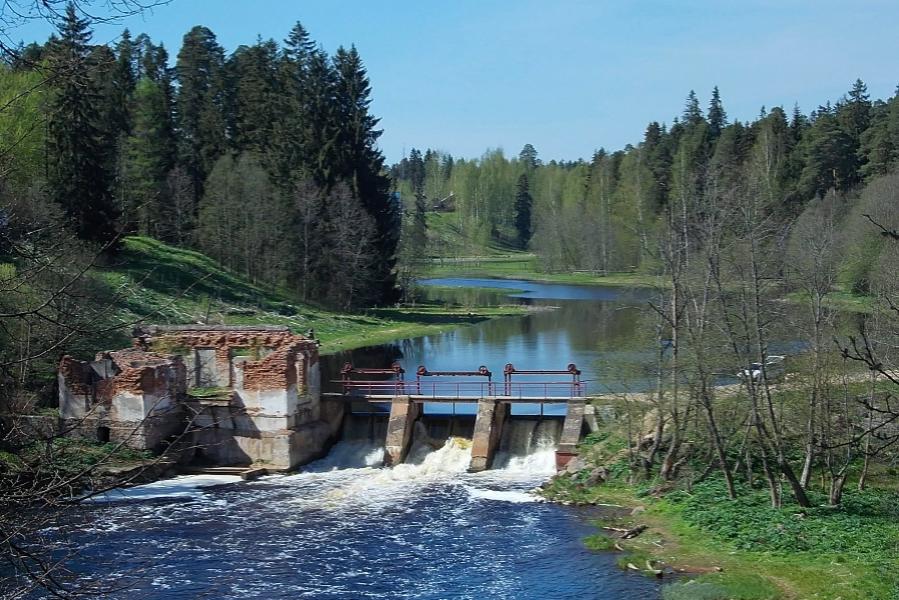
x: 524, y: 266
x: 744, y: 550
x: 152, y: 282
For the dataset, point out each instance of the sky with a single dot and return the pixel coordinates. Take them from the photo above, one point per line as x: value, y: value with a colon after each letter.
x: 568, y: 76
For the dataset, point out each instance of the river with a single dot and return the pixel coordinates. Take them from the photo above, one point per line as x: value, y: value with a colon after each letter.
x: 346, y: 528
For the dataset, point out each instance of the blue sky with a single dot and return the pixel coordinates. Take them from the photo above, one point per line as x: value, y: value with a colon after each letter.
x: 568, y: 76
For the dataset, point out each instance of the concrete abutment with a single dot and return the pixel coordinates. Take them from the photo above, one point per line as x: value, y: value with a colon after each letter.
x: 403, y: 414
x: 571, y: 432
x: 488, y: 431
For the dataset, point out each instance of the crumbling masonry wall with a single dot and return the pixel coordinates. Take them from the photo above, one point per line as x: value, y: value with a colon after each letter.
x: 123, y: 396
x: 247, y: 394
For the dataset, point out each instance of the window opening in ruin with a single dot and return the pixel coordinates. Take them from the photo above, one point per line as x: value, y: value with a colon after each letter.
x: 102, y: 434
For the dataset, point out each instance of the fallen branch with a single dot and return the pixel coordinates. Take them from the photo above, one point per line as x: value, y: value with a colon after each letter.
x: 632, y: 533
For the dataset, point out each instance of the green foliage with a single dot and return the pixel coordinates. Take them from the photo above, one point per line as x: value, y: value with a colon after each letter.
x: 599, y: 542
x: 863, y: 528
x: 23, y: 94
x: 722, y: 586
x: 523, y: 205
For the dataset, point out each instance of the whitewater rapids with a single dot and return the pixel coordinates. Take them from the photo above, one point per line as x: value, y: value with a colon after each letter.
x: 348, y: 528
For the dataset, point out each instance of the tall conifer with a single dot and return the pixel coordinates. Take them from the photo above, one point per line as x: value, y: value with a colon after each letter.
x: 78, y: 169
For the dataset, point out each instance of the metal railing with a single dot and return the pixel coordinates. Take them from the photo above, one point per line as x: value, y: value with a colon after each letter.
x: 395, y: 384
x: 465, y: 389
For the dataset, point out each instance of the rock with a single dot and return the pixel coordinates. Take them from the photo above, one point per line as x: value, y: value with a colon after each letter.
x: 597, y: 476
x: 574, y: 465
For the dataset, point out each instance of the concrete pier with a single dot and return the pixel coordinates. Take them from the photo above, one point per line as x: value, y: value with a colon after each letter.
x: 488, y: 431
x: 571, y: 432
x: 403, y: 414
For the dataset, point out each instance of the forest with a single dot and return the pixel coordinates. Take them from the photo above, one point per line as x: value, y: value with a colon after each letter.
x: 266, y: 161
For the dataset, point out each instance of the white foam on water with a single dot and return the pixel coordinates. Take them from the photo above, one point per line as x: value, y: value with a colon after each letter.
x: 376, y: 489
x: 185, y: 486
x: 514, y: 496
x: 354, y: 454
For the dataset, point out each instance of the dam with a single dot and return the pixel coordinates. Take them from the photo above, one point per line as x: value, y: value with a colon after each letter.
x: 490, y: 401
x: 241, y: 396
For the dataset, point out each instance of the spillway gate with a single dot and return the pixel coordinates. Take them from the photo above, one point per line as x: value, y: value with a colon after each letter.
x: 408, y: 397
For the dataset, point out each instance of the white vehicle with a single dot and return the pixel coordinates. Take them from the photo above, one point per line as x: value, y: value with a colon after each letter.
x: 774, y: 367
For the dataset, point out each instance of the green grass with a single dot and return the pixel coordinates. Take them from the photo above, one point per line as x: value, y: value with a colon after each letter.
x: 152, y: 282
x: 846, y: 553
x: 842, y: 300
x: 65, y: 457
x: 524, y: 266
x: 722, y: 586
x: 446, y: 237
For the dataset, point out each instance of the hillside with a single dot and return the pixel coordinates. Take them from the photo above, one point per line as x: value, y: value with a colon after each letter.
x: 152, y: 282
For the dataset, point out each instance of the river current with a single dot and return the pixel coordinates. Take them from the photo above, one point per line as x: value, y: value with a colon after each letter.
x: 346, y: 528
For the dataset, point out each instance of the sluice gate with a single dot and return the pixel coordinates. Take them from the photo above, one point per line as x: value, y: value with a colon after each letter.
x: 492, y: 402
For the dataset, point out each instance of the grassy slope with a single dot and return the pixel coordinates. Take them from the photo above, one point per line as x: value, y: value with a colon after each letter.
x: 157, y: 283
x: 848, y: 553
x: 836, y: 557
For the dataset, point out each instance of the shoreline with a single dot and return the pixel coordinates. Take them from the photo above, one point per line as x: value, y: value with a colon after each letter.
x: 696, y: 562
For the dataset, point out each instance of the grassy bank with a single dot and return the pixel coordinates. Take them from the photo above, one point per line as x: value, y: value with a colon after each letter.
x: 153, y: 282
x: 520, y: 265
x: 744, y: 550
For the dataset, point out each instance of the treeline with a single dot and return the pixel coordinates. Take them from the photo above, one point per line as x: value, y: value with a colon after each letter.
x: 760, y: 233
x: 265, y: 159
x: 604, y: 214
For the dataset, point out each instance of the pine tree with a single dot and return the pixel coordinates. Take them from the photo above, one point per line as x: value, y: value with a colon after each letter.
x: 77, y: 158
x: 523, y: 209
x: 717, y: 116
x: 528, y: 158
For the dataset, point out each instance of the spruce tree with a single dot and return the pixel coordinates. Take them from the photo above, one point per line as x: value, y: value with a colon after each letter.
x: 78, y: 172
x: 692, y: 113
x: 880, y: 142
x: 200, y: 103
x: 523, y: 209
x: 147, y: 161
x: 361, y: 166
x: 716, y: 116
x: 288, y: 141
x: 253, y: 72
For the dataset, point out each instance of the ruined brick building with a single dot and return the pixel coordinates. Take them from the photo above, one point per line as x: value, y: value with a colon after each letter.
x: 232, y: 395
